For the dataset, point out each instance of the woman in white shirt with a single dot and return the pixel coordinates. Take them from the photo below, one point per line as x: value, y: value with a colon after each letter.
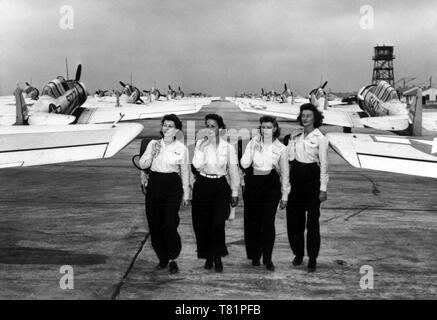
x: 215, y: 160
x: 308, y: 157
x: 266, y: 185
x: 167, y: 187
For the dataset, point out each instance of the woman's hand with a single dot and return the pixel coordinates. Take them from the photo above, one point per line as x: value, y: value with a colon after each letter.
x: 234, y: 202
x: 323, y: 196
x: 256, y: 143
x: 156, y: 148
x: 283, y: 204
x: 186, y: 203
x: 203, y: 144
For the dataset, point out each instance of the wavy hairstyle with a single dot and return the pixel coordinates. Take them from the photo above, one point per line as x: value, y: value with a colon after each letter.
x: 318, y: 116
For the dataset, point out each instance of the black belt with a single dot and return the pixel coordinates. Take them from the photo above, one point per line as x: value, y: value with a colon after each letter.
x: 162, y: 173
x: 302, y: 164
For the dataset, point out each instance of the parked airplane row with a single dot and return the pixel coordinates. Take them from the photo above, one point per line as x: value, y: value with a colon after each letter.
x: 63, y: 125
x: 379, y: 107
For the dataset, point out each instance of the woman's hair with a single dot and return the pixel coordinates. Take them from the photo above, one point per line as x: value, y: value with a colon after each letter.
x: 172, y: 117
x: 318, y: 117
x: 217, y: 118
x: 177, y: 123
x: 273, y: 120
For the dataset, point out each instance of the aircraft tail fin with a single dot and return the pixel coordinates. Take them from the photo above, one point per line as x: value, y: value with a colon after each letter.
x: 415, y: 115
x: 21, y: 108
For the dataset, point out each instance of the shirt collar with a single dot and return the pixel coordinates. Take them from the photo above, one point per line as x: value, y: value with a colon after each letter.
x: 297, y: 133
x: 316, y: 132
x: 163, y: 144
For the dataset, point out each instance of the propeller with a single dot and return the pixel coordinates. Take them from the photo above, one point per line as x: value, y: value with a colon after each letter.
x: 78, y: 72
x: 321, y: 87
x: 324, y: 85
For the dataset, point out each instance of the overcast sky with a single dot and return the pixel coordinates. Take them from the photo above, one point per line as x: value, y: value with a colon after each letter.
x: 215, y: 46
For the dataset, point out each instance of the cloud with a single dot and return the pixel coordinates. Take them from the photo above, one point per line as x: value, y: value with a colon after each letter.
x: 215, y: 46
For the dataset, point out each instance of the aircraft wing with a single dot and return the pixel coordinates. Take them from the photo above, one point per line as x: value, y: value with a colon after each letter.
x: 406, y: 155
x: 429, y: 120
x: 37, y: 145
x: 10, y: 101
x: 386, y: 123
x: 7, y: 114
x: 333, y: 116
x: 291, y: 111
x: 104, y: 112
x: 287, y: 111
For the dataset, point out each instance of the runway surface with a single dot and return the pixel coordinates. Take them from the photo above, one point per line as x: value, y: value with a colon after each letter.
x: 90, y: 215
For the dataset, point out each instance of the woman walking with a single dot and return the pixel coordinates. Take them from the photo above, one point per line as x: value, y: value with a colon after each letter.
x: 214, y: 159
x: 308, y: 157
x: 168, y: 185
x: 266, y: 185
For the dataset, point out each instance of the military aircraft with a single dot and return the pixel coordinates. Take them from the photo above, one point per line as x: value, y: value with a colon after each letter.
x: 413, y: 155
x: 66, y: 101
x: 101, y: 93
x: 23, y: 144
x: 180, y: 94
x: 389, y: 115
x: 57, y: 127
x: 155, y: 95
x: 381, y: 109
x: 134, y: 107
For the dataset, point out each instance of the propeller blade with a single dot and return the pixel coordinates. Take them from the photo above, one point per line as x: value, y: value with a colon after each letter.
x: 122, y: 84
x: 324, y: 85
x: 78, y: 72
x: 141, y: 100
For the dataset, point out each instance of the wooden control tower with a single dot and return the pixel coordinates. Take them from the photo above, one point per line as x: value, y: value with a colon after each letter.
x: 383, y: 65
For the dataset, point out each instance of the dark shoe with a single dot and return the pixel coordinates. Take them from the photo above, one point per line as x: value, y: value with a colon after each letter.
x: 218, y: 265
x: 312, y: 264
x: 297, y: 261
x: 270, y: 266
x: 208, y: 264
x: 255, y: 262
x: 173, y: 267
x: 161, y: 265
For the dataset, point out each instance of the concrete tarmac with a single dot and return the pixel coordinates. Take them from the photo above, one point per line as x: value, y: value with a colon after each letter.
x: 90, y: 215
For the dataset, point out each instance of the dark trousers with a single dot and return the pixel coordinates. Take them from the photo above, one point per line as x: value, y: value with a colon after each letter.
x: 261, y: 198
x: 304, y: 208
x: 163, y: 200
x: 210, y: 209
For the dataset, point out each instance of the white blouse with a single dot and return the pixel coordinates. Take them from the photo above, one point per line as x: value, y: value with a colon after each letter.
x: 310, y: 149
x: 218, y: 160
x: 268, y: 157
x: 171, y: 158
